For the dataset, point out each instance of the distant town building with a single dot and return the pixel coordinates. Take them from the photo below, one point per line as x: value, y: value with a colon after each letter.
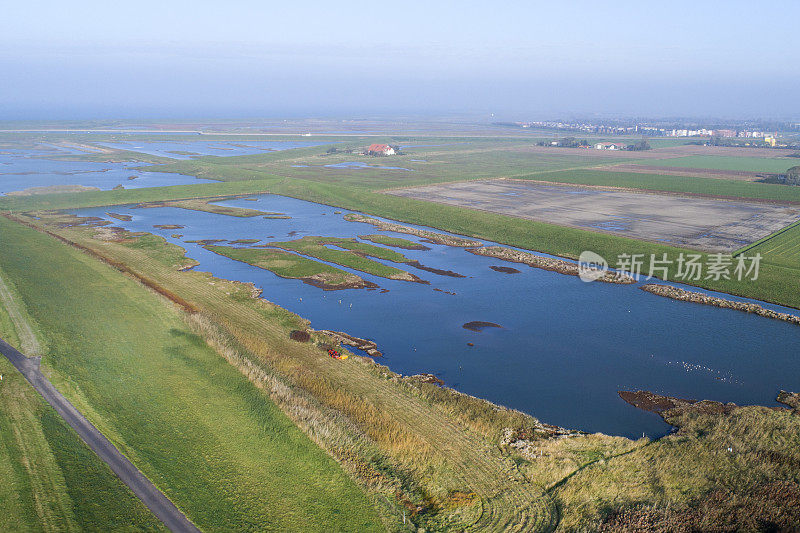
x: 380, y: 149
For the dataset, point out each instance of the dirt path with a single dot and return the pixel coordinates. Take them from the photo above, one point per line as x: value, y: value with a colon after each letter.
x: 150, y: 496
x: 27, y: 339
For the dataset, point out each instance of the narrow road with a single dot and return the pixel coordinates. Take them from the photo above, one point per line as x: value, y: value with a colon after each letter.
x: 153, y: 498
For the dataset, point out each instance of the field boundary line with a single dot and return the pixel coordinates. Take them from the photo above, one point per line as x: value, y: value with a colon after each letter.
x: 766, y: 239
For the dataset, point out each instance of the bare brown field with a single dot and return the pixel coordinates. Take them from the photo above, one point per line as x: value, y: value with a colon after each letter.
x: 689, y: 221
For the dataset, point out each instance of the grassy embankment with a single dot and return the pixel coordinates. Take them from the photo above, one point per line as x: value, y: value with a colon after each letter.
x: 208, y: 438
x: 50, y: 480
x: 443, y: 446
x: 292, y: 266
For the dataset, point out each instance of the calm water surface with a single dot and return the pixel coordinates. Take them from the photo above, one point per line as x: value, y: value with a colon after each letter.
x: 22, y: 169
x: 565, y: 348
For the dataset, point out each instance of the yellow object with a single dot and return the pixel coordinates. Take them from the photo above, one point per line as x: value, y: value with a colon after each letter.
x: 344, y: 357
x: 772, y: 141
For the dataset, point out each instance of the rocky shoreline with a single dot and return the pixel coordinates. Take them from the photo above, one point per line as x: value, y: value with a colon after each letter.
x: 683, y: 295
x: 429, y: 236
x: 362, y: 344
x: 546, y: 263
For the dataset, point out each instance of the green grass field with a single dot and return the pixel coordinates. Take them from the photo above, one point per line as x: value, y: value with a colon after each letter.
x: 716, y: 162
x: 50, y: 480
x: 782, y: 249
x: 207, y: 437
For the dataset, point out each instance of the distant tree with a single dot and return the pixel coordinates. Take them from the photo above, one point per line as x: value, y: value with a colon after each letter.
x: 640, y: 146
x: 793, y: 176
x: 332, y: 150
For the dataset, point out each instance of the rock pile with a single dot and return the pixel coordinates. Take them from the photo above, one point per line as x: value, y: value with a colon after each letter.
x: 676, y: 293
x: 546, y: 263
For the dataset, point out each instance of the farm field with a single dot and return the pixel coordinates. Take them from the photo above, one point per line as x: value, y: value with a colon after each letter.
x: 772, y: 165
x: 706, y: 224
x: 677, y: 184
x: 212, y: 427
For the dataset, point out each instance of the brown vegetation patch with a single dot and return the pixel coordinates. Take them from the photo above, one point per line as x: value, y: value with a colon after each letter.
x: 300, y: 336
x: 654, y: 403
x: 792, y: 399
x: 169, y: 226
x: 450, y: 273
x: 206, y: 242
x: 427, y: 378
x: 437, y: 289
x: 772, y: 506
x: 669, y: 407
x: 480, y: 325
x: 504, y: 270
x: 125, y: 218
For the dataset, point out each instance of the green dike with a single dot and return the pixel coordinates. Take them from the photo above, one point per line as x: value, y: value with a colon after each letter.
x: 287, y: 265
x: 50, y: 479
x: 208, y: 438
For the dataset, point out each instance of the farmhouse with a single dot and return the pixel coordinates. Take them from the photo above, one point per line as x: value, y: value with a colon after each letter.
x: 380, y: 149
x: 609, y: 146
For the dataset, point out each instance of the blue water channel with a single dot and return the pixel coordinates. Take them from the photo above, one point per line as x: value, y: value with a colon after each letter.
x: 565, y: 347
x: 22, y: 169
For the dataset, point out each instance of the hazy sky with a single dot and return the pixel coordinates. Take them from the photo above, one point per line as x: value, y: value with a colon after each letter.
x: 527, y: 59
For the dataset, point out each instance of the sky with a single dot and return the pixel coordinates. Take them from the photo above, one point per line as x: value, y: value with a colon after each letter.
x: 514, y: 60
